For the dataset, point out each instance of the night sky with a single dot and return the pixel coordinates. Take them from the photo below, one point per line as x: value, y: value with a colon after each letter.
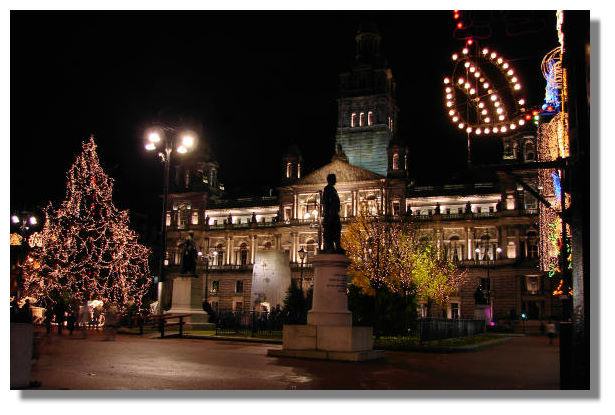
x: 255, y: 81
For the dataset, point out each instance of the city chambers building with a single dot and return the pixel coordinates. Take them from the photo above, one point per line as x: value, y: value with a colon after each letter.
x: 250, y: 248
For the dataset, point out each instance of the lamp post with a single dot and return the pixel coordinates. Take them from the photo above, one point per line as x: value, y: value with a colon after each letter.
x: 23, y: 222
x: 168, y: 139
x: 302, y: 253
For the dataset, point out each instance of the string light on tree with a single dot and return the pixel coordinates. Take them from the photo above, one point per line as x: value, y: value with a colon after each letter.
x: 86, y: 249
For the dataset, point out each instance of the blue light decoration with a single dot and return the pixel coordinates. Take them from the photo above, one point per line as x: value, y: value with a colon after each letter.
x: 551, y: 68
x: 557, y: 185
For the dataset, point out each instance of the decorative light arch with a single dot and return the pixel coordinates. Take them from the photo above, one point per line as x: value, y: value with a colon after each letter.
x: 494, y: 101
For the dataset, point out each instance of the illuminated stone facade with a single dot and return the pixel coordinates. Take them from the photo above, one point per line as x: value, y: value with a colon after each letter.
x: 488, y: 225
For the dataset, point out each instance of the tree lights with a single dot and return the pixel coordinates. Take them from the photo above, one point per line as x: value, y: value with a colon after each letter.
x: 86, y: 249
x: 392, y: 255
x: 485, y: 93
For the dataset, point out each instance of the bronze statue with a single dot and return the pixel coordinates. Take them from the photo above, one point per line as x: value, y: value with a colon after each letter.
x: 189, y: 255
x: 331, y: 224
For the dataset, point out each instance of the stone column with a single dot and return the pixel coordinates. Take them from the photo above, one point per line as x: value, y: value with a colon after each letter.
x: 295, y: 206
x: 469, y: 240
x: 354, y: 203
x: 294, y: 249
x: 229, y: 249
x: 253, y: 249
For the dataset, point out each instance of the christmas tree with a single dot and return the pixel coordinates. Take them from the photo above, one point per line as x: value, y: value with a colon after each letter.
x: 88, y: 250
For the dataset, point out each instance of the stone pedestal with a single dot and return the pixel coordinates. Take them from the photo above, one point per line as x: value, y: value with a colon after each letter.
x: 21, y: 354
x: 329, y: 333
x: 188, y: 298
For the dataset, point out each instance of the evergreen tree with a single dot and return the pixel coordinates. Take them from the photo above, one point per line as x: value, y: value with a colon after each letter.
x: 88, y: 250
x: 295, y: 305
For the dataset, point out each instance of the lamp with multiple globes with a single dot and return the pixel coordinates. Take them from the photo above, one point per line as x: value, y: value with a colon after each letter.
x: 169, y: 139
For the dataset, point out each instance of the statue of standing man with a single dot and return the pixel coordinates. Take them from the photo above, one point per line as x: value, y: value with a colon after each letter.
x: 189, y: 255
x: 331, y: 224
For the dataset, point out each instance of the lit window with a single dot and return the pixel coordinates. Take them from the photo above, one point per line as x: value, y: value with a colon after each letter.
x: 168, y: 219
x: 289, y: 169
x: 511, y: 251
x: 510, y: 202
x: 298, y: 170
x: 396, y: 207
x: 395, y: 161
x: 361, y: 119
x: 370, y: 118
x: 195, y: 217
x: 215, y: 286
x: 353, y: 119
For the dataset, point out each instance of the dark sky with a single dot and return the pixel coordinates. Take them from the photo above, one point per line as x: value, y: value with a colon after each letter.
x: 257, y: 81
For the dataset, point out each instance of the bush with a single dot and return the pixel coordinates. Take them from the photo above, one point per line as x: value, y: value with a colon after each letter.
x: 295, y: 305
x: 389, y: 313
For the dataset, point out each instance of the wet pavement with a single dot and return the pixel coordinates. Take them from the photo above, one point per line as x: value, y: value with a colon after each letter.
x: 133, y: 362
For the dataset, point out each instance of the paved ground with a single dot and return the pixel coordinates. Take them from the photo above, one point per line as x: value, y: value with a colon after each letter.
x: 132, y: 362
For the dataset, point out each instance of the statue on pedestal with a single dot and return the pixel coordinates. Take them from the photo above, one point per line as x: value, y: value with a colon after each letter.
x: 331, y: 224
x: 189, y: 255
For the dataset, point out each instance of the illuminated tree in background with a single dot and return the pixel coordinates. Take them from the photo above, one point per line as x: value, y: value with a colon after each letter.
x: 391, y: 255
x: 88, y: 251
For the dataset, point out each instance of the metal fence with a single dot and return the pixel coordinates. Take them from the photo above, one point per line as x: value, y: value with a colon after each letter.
x: 249, y: 323
x: 438, y: 328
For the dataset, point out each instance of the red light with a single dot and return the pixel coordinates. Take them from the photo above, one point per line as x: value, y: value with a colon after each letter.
x: 459, y: 25
x: 470, y: 41
x: 549, y: 108
x: 528, y: 117
x: 456, y: 16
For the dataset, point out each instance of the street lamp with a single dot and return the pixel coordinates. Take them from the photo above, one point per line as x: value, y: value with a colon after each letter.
x: 302, y: 253
x: 168, y: 139
x: 23, y: 221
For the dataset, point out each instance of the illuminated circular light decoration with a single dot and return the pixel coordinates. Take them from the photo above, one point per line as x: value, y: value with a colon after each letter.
x: 491, y: 101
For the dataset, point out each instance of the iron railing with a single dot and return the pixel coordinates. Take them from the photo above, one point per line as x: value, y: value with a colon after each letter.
x: 250, y: 323
x: 439, y: 328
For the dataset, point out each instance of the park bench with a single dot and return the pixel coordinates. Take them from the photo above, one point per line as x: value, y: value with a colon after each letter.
x: 161, y: 321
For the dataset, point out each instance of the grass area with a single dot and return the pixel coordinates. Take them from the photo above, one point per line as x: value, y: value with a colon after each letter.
x: 201, y: 332
x: 465, y: 341
x: 412, y: 343
x: 136, y: 330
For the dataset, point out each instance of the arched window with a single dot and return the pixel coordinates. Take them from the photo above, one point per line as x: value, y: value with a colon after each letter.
x: 353, y: 119
x: 289, y: 169
x: 455, y: 248
x: 310, y: 247
x: 486, y: 248
x: 361, y: 119
x: 268, y: 245
x: 195, y: 217
x: 219, y: 255
x: 243, y: 254
x: 370, y: 118
x: 395, y: 161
